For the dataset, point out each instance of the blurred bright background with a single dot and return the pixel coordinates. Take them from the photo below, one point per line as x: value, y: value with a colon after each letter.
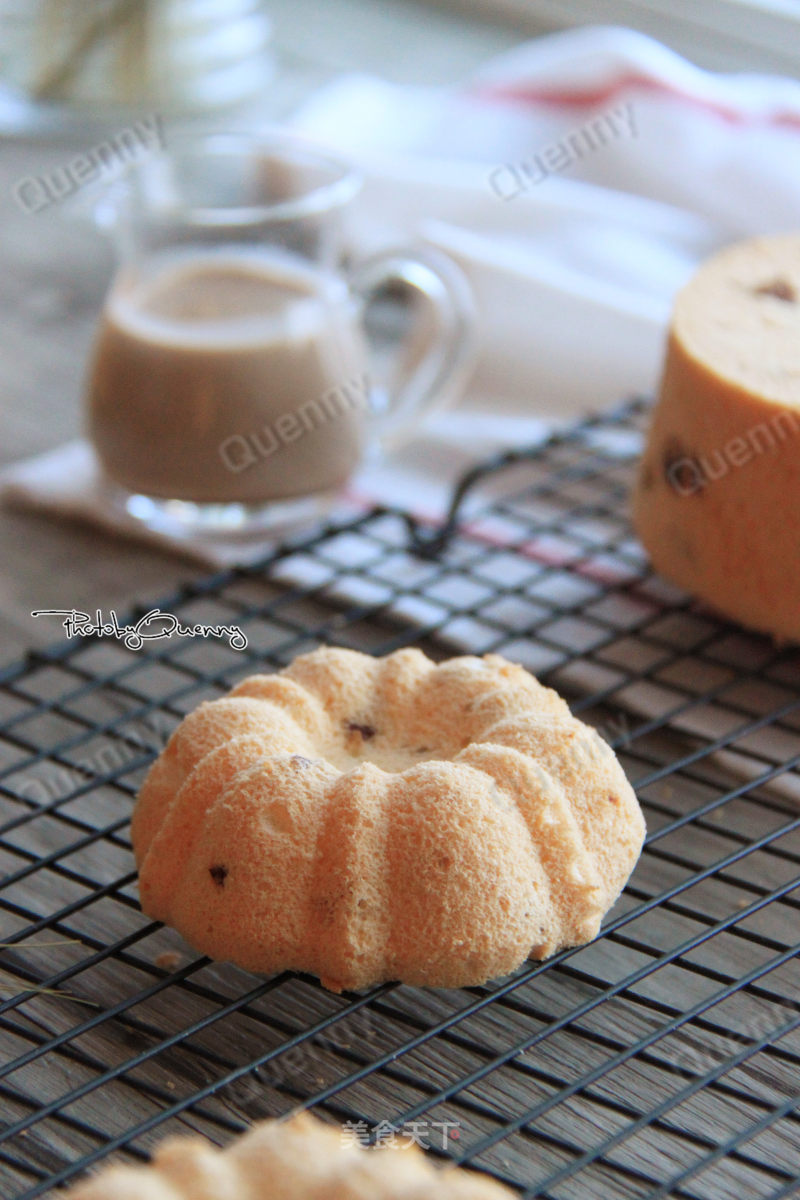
x: 215, y: 55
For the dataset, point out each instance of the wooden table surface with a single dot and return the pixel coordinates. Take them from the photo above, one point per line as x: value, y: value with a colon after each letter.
x: 54, y: 272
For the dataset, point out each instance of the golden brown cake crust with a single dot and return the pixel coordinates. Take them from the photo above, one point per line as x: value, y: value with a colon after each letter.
x: 369, y: 819
x: 719, y: 480
x: 298, y: 1159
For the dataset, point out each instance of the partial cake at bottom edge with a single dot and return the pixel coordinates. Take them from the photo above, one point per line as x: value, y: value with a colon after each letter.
x: 298, y: 1159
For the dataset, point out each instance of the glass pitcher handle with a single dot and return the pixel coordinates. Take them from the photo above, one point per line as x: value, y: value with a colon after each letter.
x: 447, y: 355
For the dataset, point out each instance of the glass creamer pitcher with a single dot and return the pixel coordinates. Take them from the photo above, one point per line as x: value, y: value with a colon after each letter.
x: 233, y: 385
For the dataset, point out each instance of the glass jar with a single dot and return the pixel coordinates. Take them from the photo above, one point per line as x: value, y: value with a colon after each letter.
x: 178, y: 56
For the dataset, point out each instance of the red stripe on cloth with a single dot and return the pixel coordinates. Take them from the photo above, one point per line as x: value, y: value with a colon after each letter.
x: 607, y: 93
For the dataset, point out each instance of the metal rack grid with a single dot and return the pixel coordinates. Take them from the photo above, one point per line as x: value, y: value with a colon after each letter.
x: 661, y: 1060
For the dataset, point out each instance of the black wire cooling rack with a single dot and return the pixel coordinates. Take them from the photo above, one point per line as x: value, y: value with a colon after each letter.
x: 662, y: 1060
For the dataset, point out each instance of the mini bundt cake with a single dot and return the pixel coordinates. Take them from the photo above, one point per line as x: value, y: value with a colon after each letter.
x: 371, y: 819
x: 299, y: 1159
x: 719, y: 482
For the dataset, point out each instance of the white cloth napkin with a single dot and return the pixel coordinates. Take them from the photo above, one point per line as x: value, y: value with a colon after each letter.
x: 577, y: 180
x: 418, y: 477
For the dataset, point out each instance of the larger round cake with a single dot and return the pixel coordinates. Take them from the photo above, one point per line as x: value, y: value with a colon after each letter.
x: 299, y: 1159
x: 370, y: 819
x: 719, y: 483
